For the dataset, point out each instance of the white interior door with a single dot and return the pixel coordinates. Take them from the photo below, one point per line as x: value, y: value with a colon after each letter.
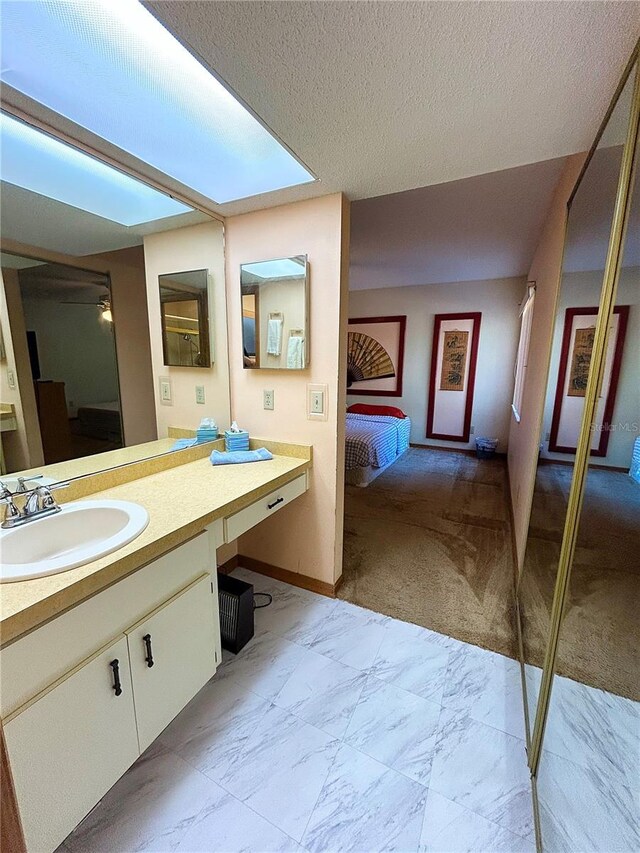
x: 173, y: 654
x: 68, y: 747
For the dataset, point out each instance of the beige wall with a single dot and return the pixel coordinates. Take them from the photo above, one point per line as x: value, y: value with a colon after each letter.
x: 498, y: 300
x: 305, y: 537
x: 524, y: 437
x: 21, y: 448
x: 191, y: 248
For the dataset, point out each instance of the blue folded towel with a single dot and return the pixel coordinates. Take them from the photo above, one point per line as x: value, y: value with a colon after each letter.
x: 181, y: 443
x: 220, y: 458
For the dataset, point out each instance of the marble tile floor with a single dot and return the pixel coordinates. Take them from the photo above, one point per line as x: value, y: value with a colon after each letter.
x: 334, y: 729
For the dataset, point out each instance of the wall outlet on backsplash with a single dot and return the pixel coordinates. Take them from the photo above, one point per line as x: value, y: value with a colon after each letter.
x: 473, y: 429
x: 267, y: 400
x: 11, y: 379
x: 200, y: 394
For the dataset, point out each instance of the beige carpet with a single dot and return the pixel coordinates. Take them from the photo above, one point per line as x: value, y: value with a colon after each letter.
x: 429, y: 542
x: 599, y: 639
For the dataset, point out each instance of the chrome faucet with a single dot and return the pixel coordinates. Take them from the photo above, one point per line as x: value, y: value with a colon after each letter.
x: 39, y: 502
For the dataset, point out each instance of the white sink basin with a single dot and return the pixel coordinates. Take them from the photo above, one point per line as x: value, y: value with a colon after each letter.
x: 79, y: 533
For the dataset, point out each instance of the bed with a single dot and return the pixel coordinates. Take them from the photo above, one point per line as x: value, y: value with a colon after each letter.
x: 373, y: 443
x: 100, y: 420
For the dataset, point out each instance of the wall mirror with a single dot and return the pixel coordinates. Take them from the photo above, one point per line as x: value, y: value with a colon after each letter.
x: 184, y: 305
x: 77, y: 388
x: 275, y: 313
x: 589, y: 224
x: 591, y: 742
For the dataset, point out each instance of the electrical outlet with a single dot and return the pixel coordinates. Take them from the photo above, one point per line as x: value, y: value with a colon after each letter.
x: 166, y: 397
x: 317, y: 396
x: 11, y: 379
x: 200, y: 394
x: 547, y: 436
x: 267, y: 400
x: 473, y: 429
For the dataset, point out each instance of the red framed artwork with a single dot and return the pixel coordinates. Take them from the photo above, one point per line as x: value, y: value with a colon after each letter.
x: 375, y: 356
x: 452, y: 379
x: 573, y: 374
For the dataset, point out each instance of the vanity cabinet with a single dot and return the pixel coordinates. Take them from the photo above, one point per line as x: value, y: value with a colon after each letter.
x: 71, y: 744
x: 171, y: 658
x: 71, y: 736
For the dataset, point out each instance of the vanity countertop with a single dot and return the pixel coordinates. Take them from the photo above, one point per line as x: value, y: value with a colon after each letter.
x: 180, y: 503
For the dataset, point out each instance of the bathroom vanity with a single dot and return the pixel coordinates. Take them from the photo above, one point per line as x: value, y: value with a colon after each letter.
x: 97, y: 660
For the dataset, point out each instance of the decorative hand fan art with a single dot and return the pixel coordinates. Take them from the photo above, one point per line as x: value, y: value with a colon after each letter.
x: 375, y: 349
x: 367, y: 359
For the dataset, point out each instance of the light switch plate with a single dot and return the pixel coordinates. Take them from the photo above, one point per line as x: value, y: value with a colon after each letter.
x: 268, y: 400
x: 166, y: 395
x: 200, y: 394
x: 317, y: 399
x: 11, y: 379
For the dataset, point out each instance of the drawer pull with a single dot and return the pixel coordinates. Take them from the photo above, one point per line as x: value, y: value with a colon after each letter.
x: 275, y: 503
x: 115, y: 666
x: 149, y: 656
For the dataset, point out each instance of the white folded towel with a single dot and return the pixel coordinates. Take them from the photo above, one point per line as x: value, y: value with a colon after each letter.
x: 295, y: 353
x: 274, y: 336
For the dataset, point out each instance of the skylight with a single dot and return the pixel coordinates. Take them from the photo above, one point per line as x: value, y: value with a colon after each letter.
x: 112, y: 68
x: 281, y: 268
x: 44, y: 165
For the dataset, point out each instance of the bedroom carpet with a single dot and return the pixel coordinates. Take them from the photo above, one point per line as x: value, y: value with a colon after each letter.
x: 429, y: 542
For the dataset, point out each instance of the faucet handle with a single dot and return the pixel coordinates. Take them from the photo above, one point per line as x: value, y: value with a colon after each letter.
x: 22, y: 480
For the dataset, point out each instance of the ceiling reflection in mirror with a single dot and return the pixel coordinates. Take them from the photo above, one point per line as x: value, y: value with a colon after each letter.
x: 77, y: 387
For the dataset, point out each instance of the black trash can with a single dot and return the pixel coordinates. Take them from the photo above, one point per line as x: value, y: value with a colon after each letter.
x: 235, y: 599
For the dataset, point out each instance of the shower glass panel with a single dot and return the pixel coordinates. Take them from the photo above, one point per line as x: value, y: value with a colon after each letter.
x: 590, y: 217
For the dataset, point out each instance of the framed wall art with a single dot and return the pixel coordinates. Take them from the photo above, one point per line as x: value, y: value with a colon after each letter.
x: 375, y: 356
x: 454, y: 356
x: 573, y: 375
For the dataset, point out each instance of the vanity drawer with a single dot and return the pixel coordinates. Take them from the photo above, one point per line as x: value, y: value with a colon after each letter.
x: 247, y: 518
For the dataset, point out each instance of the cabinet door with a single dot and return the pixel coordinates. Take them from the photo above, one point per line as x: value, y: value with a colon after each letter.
x: 70, y: 745
x: 173, y: 654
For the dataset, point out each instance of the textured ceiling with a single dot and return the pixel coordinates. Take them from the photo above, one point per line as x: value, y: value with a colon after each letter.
x: 470, y: 230
x: 380, y: 97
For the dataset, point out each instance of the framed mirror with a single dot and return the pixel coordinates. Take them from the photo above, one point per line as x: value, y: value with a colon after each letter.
x: 275, y: 313
x: 184, y: 310
x: 591, y: 214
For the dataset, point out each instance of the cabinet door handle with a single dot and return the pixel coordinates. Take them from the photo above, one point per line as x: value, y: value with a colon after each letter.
x: 275, y: 503
x: 115, y: 666
x: 149, y: 656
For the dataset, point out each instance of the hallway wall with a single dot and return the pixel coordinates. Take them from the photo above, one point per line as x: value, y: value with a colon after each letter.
x: 524, y: 436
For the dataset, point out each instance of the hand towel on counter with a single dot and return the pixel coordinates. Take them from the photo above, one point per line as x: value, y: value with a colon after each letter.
x: 295, y: 353
x: 274, y: 336
x: 182, y: 443
x: 238, y: 456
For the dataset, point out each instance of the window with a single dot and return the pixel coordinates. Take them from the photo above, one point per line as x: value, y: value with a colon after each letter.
x: 522, y: 359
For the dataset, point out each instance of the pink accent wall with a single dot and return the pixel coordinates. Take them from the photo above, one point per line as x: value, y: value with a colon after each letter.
x: 305, y: 537
x: 524, y: 437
